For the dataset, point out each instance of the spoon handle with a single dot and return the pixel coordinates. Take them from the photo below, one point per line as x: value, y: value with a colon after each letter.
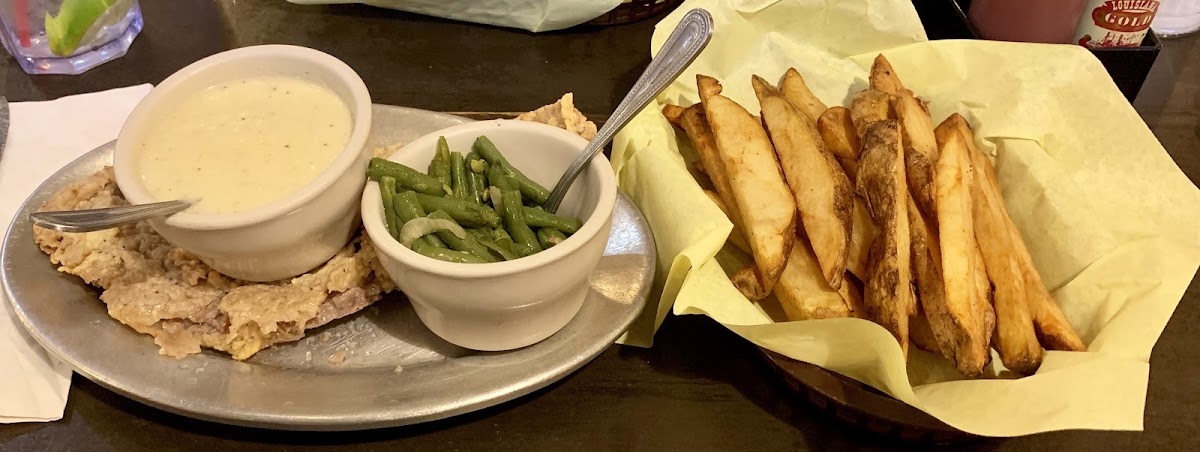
x: 89, y: 220
x: 682, y: 47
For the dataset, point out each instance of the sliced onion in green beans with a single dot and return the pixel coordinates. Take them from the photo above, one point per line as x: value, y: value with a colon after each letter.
x: 494, y: 193
x: 479, y: 166
x: 420, y: 227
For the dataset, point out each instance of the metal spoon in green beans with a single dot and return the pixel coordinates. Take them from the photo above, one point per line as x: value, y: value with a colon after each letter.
x: 475, y: 208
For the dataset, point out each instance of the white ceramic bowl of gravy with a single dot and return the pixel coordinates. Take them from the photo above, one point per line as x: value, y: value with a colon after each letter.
x: 511, y: 304
x: 280, y: 237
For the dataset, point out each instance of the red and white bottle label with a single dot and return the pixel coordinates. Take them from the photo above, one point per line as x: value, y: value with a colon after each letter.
x: 1115, y: 23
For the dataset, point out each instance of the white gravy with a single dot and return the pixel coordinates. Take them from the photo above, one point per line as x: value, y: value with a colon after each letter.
x: 243, y: 144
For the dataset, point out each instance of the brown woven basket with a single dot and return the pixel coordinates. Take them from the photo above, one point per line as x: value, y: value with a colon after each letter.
x: 633, y: 11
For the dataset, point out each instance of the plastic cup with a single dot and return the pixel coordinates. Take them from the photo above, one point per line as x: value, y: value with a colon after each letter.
x: 67, y: 36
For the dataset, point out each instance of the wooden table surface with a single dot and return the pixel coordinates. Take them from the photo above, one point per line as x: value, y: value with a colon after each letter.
x: 700, y: 387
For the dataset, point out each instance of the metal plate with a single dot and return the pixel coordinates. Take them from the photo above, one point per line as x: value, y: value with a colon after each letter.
x: 396, y: 371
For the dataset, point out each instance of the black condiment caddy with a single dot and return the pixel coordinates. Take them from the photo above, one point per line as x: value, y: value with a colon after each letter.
x: 1128, y: 66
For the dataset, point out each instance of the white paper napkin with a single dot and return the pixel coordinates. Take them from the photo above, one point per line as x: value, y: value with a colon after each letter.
x: 44, y: 136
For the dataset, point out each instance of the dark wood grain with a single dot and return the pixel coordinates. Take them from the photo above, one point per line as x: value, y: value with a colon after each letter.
x: 699, y: 387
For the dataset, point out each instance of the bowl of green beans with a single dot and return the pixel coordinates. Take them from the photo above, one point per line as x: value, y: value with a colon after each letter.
x: 458, y: 221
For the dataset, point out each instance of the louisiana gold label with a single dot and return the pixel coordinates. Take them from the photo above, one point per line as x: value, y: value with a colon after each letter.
x: 1115, y: 23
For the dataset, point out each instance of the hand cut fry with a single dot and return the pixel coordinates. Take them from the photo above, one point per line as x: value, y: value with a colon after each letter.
x: 693, y: 122
x: 887, y: 295
x: 746, y: 281
x: 960, y: 265
x: 759, y: 191
x: 921, y: 333
x: 862, y: 235
x: 674, y: 114
x: 884, y: 78
x: 1051, y: 326
x: 949, y: 325
x: 852, y: 293
x: 802, y: 290
x: 1015, y: 339
x: 841, y: 138
x: 796, y: 91
x: 921, y: 150
x: 736, y: 236
x: 821, y: 189
x: 868, y: 107
x: 983, y: 301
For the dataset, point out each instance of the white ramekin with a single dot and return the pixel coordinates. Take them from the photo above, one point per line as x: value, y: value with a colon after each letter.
x: 293, y: 234
x: 504, y: 305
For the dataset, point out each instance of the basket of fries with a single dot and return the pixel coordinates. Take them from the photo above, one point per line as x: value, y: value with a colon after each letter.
x: 945, y: 222
x: 630, y: 11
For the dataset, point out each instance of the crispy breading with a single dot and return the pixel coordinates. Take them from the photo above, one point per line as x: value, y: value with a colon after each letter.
x: 168, y: 293
x: 563, y: 114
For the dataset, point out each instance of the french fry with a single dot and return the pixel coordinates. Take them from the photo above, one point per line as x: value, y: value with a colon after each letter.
x: 921, y: 150
x: 1054, y: 330
x: 966, y: 298
x: 802, y: 290
x: 868, y: 107
x: 884, y: 78
x: 674, y: 114
x: 797, y: 92
x: 862, y: 235
x: 1014, y: 337
x: 921, y: 334
x: 736, y: 236
x: 852, y: 293
x: 694, y: 123
x: 759, y: 191
x: 747, y: 282
x: 959, y: 334
x: 837, y: 130
x: 821, y: 189
x: 984, y: 301
x: 1050, y: 325
x: 887, y: 292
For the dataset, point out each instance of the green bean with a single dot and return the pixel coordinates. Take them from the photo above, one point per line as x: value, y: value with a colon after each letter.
x: 447, y: 255
x: 466, y: 244
x: 481, y: 234
x: 502, y: 237
x: 499, y: 178
x: 489, y: 239
x: 387, y: 190
x: 439, y: 167
x: 408, y: 208
x: 514, y: 222
x: 539, y: 218
x: 530, y: 189
x: 458, y: 176
x: 465, y: 213
x: 549, y: 237
x: 405, y: 177
x: 476, y: 181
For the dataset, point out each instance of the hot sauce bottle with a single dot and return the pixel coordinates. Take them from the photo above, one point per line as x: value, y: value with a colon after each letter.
x: 1115, y: 23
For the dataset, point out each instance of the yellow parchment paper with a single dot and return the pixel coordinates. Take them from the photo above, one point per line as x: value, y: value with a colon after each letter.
x: 1112, y: 223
